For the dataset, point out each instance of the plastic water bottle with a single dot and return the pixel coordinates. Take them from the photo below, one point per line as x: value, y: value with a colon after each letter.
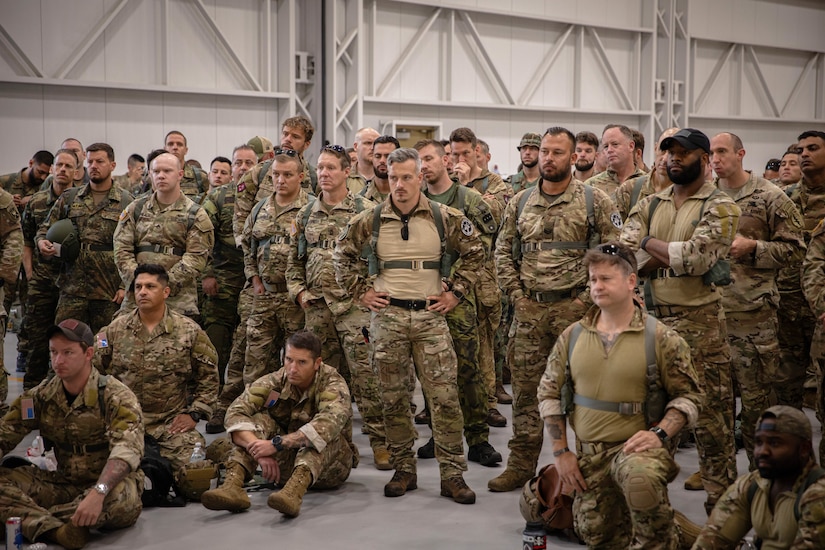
x: 534, y: 536
x: 198, y: 453
x: 37, y: 546
x: 36, y: 448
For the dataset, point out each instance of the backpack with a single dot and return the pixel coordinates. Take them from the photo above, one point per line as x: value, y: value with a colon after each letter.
x: 159, y: 481
x: 302, y: 238
x: 191, y: 214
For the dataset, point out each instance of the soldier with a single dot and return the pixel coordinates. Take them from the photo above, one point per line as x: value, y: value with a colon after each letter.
x: 90, y: 288
x: 133, y: 178
x: 409, y: 300
x: 678, y: 251
x: 528, y: 150
x: 476, y: 386
x: 769, y: 237
x: 633, y: 189
x: 623, y: 422
x: 539, y: 251
x: 262, y: 147
x: 296, y: 424
x: 587, y: 147
x: 464, y: 147
x: 194, y: 180
x: 363, y: 145
x: 81, y: 175
x: 784, y: 501
x: 95, y: 425
x: 168, y: 361
x: 378, y: 188
x: 11, y: 255
x: 639, y: 150
x: 330, y: 313
x: 771, y: 172
x: 620, y: 147
x: 789, y: 170
x: 42, y: 272
x: 165, y: 227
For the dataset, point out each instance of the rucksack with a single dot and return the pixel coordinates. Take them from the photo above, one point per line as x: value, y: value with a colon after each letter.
x: 302, y: 238
x: 160, y: 481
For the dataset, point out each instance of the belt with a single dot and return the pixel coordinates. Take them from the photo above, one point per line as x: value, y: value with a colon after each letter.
x: 81, y: 449
x: 662, y: 273
x: 595, y: 447
x: 625, y: 408
x: 669, y: 311
x: 322, y: 244
x: 274, y: 287
x: 160, y: 249
x: 550, y: 296
x: 554, y: 245
x: 413, y: 305
x: 410, y: 264
x: 97, y: 247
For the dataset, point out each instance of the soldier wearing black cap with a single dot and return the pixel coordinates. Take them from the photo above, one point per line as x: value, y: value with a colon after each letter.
x: 680, y: 235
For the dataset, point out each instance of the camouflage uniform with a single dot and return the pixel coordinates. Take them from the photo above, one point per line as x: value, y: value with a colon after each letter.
x: 194, y: 181
x: 371, y: 192
x: 11, y: 255
x: 624, y: 193
x: 550, y: 278
x: 178, y: 237
x: 608, y: 181
x: 219, y: 314
x: 84, y: 440
x: 735, y: 514
x: 41, y: 300
x: 234, y: 382
x: 682, y: 301
x: 18, y: 287
x: 172, y: 371
x: 626, y: 503
x: 400, y: 333
x: 88, y: 285
x: 322, y: 413
x: 813, y: 284
x: 518, y: 182
x: 750, y: 302
x: 796, y: 320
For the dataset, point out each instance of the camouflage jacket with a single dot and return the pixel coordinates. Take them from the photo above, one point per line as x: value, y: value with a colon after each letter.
x: 811, y: 204
x: 608, y: 181
x: 624, y: 194
x: 227, y: 259
x: 13, y: 184
x: 495, y: 192
x: 194, y: 181
x: 36, y: 210
x: 11, y: 239
x: 518, y: 182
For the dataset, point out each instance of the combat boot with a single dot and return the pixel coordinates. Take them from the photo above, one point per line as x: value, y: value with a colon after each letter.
x: 400, y: 483
x: 456, y: 489
x: 688, y: 531
x: 509, y: 480
x: 502, y: 396
x: 694, y: 483
x: 495, y: 419
x: 484, y: 453
x: 230, y: 495
x: 288, y: 500
x: 423, y: 418
x: 427, y: 450
x: 215, y: 424
x: 69, y: 536
x: 381, y: 457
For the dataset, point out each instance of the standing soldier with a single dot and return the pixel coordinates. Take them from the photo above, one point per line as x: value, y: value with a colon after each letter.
x: 544, y: 236
x: 11, y: 256
x: 378, y: 187
x: 42, y: 272
x: 408, y: 237
x: 769, y: 237
x: 529, y: 175
x: 618, y: 141
x: 680, y: 235
x: 587, y: 148
x: 634, y: 189
x: 167, y: 228
x: 90, y: 289
x: 194, y: 180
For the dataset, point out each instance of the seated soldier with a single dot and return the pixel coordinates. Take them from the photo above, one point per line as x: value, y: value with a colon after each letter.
x: 783, y: 501
x: 170, y: 364
x: 96, y: 427
x: 295, y: 423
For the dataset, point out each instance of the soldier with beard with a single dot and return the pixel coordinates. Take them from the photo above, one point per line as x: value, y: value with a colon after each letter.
x: 587, y: 147
x: 680, y: 234
x: 528, y: 150
x: 378, y: 188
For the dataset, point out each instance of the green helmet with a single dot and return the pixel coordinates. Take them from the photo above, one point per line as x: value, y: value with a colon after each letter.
x: 63, y: 233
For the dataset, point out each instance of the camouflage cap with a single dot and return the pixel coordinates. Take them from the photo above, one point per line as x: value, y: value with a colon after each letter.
x: 531, y: 139
x: 74, y: 330
x: 261, y: 145
x: 785, y: 419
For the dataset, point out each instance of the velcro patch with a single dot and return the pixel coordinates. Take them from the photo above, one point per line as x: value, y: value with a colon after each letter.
x: 616, y: 220
x: 467, y: 227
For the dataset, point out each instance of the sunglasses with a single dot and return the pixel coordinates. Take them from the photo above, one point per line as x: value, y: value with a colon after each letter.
x: 287, y: 152
x: 772, y: 166
x: 614, y: 250
x: 336, y: 148
x: 405, y: 228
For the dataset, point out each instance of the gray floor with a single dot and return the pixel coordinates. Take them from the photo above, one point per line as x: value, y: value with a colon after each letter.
x: 358, y: 515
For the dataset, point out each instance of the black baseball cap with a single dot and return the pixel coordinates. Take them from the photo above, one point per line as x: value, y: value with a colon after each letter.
x: 74, y: 330
x: 689, y: 138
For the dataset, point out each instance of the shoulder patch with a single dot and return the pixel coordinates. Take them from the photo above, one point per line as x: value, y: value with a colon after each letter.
x: 241, y: 187
x: 102, y: 340
x: 293, y: 229
x: 124, y: 215
x: 466, y: 227
x: 616, y: 219
x: 344, y: 232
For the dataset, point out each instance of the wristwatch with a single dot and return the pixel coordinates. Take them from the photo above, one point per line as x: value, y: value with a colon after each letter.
x: 660, y: 433
x: 458, y: 294
x: 102, y: 488
x: 196, y: 416
x: 276, y: 442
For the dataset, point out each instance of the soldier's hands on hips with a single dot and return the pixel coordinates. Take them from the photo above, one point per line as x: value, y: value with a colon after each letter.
x: 210, y: 286
x: 567, y: 465
x: 444, y: 303
x: 643, y: 440
x: 182, y: 424
x: 88, y: 510
x: 270, y: 469
x: 375, y: 301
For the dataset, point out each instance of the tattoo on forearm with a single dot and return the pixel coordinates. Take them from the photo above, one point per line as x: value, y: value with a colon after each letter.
x: 673, y: 421
x: 556, y: 427
x: 114, y: 472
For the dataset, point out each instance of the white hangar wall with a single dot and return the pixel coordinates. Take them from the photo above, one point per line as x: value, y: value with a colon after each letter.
x: 127, y: 71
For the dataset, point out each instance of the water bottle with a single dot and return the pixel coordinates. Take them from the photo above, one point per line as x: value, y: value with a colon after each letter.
x: 534, y: 536
x: 198, y: 454
x: 36, y: 448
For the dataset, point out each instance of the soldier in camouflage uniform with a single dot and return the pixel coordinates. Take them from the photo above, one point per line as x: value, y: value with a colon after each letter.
x: 676, y: 251
x: 167, y: 228
x: 587, y: 148
x: 474, y: 390
x: 618, y: 141
x: 530, y: 174
x: 90, y: 288
x: 296, y: 424
x: 96, y: 426
x: 168, y: 361
x: 769, y: 237
x: 784, y: 501
x: 543, y: 238
x: 378, y: 188
x: 408, y: 299
x: 42, y: 273
x: 135, y: 166
x: 622, y: 463
x: 636, y: 188
x: 194, y: 180
x: 11, y: 255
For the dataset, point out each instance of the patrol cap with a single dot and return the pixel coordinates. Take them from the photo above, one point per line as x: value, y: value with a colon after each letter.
x: 689, y: 138
x: 785, y: 419
x: 261, y: 145
x: 530, y: 138
x: 74, y: 330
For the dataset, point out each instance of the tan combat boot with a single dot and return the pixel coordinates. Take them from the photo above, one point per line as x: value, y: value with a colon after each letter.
x: 231, y: 495
x: 288, y: 500
x: 688, y: 531
x: 69, y: 536
x: 694, y: 483
x: 381, y: 457
x: 509, y: 480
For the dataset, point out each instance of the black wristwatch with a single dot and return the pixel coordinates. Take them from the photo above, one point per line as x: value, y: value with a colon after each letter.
x: 277, y: 443
x: 458, y: 294
x: 196, y: 416
x: 660, y: 433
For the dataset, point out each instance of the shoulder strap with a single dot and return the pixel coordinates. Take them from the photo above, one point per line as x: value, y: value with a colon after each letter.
x: 68, y: 198
x: 588, y: 201
x: 253, y: 245
x: 359, y: 203
x: 192, y: 214
x: 264, y: 169
x: 446, y: 256
x: 634, y: 195
x: 372, y: 259
x: 813, y: 476
x: 523, y: 201
x: 102, y: 380
x: 791, y: 188
x: 462, y: 197
x: 654, y: 203
x: 139, y: 204
x: 302, y: 238
x: 574, y: 336
x: 486, y: 183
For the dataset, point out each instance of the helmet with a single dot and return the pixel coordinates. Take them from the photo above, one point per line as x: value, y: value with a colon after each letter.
x: 530, y: 505
x: 64, y: 234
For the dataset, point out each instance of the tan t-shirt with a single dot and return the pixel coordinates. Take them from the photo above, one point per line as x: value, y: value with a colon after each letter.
x: 423, y: 245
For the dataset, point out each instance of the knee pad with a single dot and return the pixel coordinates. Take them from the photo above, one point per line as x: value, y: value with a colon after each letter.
x: 641, y: 493
x: 196, y: 478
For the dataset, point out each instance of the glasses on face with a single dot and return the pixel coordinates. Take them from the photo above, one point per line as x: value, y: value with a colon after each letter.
x: 336, y: 148
x: 614, y: 250
x: 287, y: 152
x: 405, y: 228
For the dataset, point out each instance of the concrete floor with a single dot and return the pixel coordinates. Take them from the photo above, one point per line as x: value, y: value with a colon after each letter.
x: 358, y: 516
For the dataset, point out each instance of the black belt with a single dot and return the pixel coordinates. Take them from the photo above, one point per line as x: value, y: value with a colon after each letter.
x: 414, y: 305
x: 662, y: 273
x: 550, y: 296
x: 160, y: 249
x: 97, y: 247
x: 82, y: 449
x: 410, y: 264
